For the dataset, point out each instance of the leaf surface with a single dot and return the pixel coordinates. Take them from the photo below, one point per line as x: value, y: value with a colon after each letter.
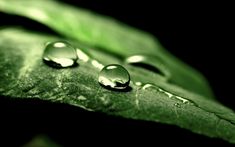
x: 24, y: 75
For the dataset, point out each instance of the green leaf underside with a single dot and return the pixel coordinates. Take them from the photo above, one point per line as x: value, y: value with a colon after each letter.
x: 108, y: 35
x: 24, y: 75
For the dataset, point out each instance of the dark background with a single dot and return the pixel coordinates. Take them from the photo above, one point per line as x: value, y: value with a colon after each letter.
x: 198, y: 33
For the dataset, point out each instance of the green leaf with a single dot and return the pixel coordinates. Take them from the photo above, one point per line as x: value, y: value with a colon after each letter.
x: 24, y: 75
x: 180, y: 96
x: 113, y: 37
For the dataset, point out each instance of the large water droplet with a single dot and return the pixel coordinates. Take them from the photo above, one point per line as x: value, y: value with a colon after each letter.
x: 114, y: 76
x: 60, y: 54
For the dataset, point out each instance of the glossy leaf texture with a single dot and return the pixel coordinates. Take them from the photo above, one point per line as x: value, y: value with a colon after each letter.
x: 25, y: 75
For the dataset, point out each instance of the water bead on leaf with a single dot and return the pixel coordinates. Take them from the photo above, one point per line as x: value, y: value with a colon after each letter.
x: 60, y: 54
x: 114, y: 76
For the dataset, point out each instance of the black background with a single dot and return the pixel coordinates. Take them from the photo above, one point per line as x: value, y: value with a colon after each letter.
x: 201, y: 34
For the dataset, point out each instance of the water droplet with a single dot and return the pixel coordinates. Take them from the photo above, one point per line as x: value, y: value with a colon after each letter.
x: 173, y: 96
x: 82, y: 98
x: 60, y: 54
x: 150, y: 63
x: 168, y: 94
x: 138, y: 83
x: 114, y: 76
x: 147, y: 86
x: 183, y: 100
x: 81, y: 55
x: 97, y: 64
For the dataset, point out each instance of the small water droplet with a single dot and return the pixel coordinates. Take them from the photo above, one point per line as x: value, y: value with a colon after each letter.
x: 114, y: 76
x: 138, y: 83
x: 97, y: 64
x: 147, y: 86
x: 81, y: 55
x: 60, y: 54
x: 82, y: 98
x: 150, y: 63
x: 168, y: 94
x: 182, y: 99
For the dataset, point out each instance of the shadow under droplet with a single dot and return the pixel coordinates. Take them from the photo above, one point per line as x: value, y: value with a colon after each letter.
x: 127, y: 89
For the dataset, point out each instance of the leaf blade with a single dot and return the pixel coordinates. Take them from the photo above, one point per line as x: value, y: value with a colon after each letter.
x: 28, y: 78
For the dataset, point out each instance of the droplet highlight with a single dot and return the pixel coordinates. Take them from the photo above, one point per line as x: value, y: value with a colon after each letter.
x: 114, y: 76
x: 60, y: 54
